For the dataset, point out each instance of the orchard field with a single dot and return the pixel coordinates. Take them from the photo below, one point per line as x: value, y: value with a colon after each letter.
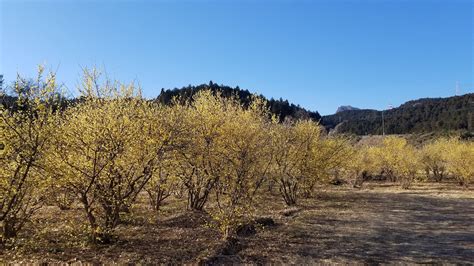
x: 430, y: 223
x: 113, y: 177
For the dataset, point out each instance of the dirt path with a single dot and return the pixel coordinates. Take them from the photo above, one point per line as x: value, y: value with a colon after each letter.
x: 371, y: 227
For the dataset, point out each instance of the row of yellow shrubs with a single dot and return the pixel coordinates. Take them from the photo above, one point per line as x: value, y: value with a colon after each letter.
x: 111, y: 145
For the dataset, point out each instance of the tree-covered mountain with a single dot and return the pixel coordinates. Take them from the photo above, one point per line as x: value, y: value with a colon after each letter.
x: 417, y: 116
x: 7, y: 100
x: 281, y: 108
x: 422, y: 115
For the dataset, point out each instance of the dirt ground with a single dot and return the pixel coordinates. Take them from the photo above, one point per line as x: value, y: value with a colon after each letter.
x: 380, y: 223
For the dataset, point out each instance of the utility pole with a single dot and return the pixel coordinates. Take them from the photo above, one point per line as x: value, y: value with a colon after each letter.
x: 383, y: 125
x: 390, y: 106
x: 470, y: 118
x: 458, y: 90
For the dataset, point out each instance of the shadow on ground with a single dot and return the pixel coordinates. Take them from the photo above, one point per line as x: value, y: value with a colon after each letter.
x: 371, y: 227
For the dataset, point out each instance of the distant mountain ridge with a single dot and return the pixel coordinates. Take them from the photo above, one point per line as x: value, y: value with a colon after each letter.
x: 416, y: 116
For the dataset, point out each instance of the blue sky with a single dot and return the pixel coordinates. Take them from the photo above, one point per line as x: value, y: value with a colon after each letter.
x: 319, y: 54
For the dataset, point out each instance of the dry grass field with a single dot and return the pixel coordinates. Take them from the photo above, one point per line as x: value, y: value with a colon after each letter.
x: 380, y: 223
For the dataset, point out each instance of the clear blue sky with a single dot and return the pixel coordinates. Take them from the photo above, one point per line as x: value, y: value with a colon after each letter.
x: 319, y: 54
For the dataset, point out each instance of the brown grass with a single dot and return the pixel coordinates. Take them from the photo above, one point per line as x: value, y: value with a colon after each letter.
x: 379, y: 223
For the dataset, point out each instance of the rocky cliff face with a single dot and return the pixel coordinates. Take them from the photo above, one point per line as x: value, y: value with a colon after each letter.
x: 345, y: 108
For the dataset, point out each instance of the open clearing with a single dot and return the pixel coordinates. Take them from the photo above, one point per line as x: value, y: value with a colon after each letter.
x: 430, y: 223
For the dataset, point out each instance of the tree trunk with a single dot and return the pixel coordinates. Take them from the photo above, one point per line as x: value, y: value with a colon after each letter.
x: 9, y: 230
x: 157, y: 197
x: 95, y: 230
x: 288, y: 191
x: 196, y: 202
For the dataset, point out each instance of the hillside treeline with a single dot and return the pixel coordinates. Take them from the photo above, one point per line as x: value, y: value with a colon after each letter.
x: 418, y: 116
x: 281, y: 108
x: 423, y: 115
x: 212, y: 152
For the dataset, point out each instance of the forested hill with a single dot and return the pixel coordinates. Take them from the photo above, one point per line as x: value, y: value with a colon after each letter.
x: 282, y: 108
x: 7, y: 100
x: 423, y: 115
x: 418, y: 116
